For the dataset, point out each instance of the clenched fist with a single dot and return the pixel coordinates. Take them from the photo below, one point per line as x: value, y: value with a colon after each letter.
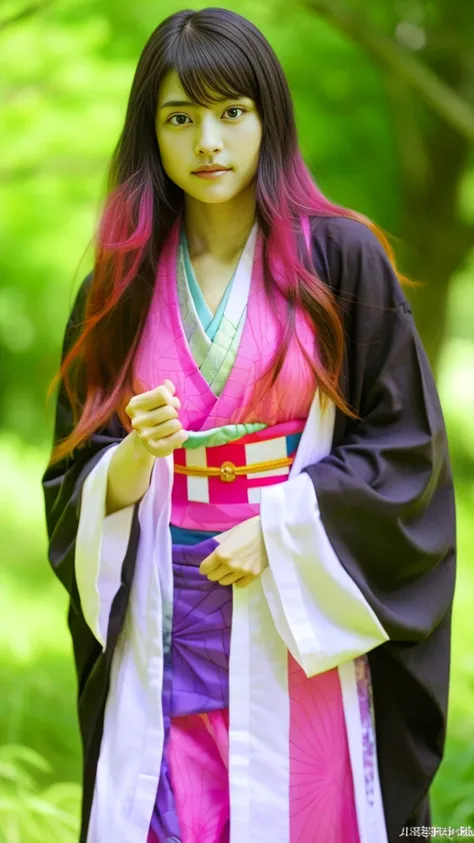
x: 154, y: 417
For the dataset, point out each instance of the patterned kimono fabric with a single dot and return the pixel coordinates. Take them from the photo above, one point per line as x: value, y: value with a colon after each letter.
x: 214, y: 362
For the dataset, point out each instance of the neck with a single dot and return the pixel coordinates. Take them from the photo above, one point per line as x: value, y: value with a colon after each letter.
x: 219, y: 229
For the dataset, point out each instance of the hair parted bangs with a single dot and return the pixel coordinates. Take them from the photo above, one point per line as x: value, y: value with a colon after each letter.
x: 212, y: 68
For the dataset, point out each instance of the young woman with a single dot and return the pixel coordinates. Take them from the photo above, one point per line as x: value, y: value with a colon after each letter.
x: 249, y: 498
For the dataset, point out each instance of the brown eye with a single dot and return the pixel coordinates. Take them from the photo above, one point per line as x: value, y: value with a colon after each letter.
x: 236, y: 108
x: 176, y: 115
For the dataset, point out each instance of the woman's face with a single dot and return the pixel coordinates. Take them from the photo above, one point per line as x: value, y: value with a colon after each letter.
x: 189, y: 136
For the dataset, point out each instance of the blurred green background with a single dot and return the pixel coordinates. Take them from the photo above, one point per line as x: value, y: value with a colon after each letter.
x: 384, y: 97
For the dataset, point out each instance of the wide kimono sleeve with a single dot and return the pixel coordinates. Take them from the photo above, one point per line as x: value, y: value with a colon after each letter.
x: 361, y: 543
x: 86, y: 548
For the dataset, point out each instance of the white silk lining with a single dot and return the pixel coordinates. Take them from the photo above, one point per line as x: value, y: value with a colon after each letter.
x: 101, y: 545
x: 317, y: 607
x: 133, y: 733
x: 258, y: 732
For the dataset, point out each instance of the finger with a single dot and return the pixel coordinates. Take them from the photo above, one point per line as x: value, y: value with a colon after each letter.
x: 222, y: 536
x: 172, y: 389
x: 209, y: 563
x: 231, y: 578
x: 164, y: 447
x: 154, y: 417
x: 219, y: 572
x: 152, y: 399
x: 170, y: 385
x: 244, y: 581
x: 162, y: 414
x: 157, y: 405
x: 161, y: 431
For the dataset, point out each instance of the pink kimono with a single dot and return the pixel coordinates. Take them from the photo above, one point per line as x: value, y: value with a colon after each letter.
x: 192, y: 801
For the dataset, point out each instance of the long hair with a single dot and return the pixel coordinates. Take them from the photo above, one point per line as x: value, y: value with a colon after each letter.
x: 216, y: 54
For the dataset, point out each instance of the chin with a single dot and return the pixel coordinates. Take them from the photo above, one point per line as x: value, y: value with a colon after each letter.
x: 217, y: 200
x: 212, y: 197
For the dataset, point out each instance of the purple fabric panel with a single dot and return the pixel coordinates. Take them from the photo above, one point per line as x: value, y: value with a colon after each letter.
x: 202, y: 616
x: 195, y: 678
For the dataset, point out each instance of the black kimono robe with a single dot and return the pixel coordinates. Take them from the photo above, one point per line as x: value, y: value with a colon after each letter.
x: 386, y: 500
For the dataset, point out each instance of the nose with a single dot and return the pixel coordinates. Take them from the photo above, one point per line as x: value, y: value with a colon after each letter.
x: 208, y: 138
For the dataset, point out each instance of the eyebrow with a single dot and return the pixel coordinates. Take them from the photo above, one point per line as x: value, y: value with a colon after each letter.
x: 178, y: 103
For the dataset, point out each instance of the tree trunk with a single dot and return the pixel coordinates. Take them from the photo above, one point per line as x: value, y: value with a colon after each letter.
x: 439, y: 240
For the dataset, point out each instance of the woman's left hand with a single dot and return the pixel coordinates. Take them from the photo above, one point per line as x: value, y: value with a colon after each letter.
x: 241, y: 556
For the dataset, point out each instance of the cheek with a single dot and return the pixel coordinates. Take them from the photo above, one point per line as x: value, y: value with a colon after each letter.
x: 170, y: 155
x: 248, y: 145
x: 249, y: 154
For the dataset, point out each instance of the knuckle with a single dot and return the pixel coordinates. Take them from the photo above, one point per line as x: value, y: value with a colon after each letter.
x: 169, y: 428
x: 169, y: 413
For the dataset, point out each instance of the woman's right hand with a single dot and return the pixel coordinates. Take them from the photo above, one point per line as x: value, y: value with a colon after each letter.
x: 154, y: 417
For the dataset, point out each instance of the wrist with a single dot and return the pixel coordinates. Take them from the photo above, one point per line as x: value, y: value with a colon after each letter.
x: 140, y: 453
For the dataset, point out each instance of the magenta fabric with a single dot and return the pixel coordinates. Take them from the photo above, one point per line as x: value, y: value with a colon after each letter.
x: 198, y: 754
x: 322, y: 806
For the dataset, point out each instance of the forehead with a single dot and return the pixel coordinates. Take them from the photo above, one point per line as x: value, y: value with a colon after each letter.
x: 170, y: 87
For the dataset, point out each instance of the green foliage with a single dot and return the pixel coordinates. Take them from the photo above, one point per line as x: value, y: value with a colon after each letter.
x: 29, y: 813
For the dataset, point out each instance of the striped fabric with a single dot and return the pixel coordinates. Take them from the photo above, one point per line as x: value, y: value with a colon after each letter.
x: 263, y: 446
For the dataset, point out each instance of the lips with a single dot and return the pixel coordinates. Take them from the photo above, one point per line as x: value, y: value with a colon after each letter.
x: 211, y: 170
